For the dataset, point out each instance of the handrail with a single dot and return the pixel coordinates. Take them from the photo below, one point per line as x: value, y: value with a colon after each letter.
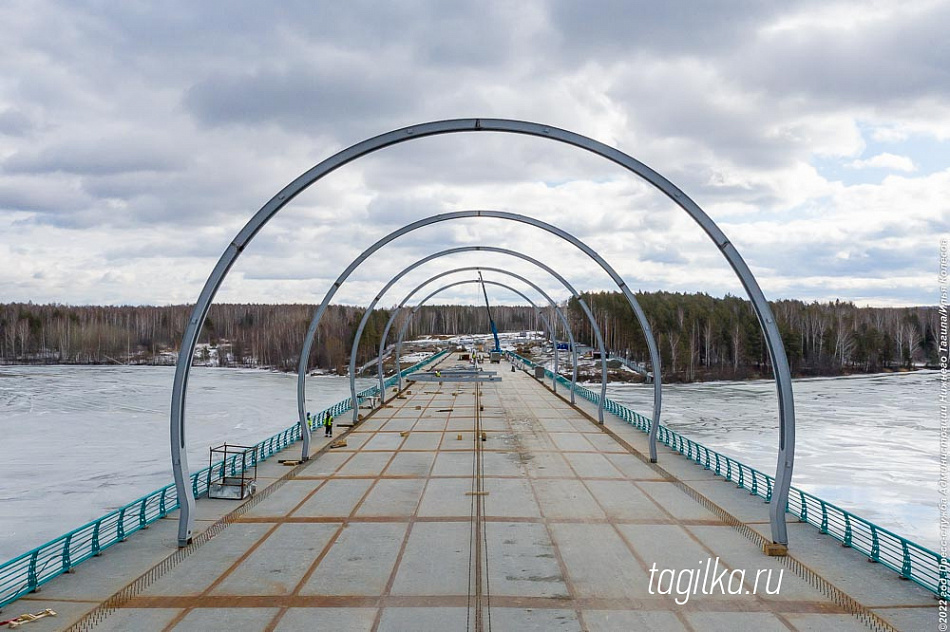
x: 27, y: 572
x: 907, y: 558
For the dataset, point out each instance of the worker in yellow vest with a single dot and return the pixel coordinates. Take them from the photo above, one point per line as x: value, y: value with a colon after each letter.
x: 328, y: 425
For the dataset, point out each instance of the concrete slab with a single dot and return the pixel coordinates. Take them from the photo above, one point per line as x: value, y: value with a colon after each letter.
x: 332, y: 619
x: 278, y: 564
x: 231, y: 619
x: 732, y: 621
x: 337, y: 497
x: 435, y: 561
x: 365, y: 464
x: 423, y: 619
x: 510, y: 498
x: 138, y: 619
x: 210, y: 561
x: 392, y: 498
x: 534, y: 620
x: 592, y: 465
x: 605, y: 571
x: 523, y: 561
x: 622, y: 500
x: 616, y: 620
x: 566, y: 499
x: 359, y: 562
x: 445, y: 497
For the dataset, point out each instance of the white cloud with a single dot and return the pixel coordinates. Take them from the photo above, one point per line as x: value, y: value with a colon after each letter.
x: 891, y: 162
x: 135, y: 141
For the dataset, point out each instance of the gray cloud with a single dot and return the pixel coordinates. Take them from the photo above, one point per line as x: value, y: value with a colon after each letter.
x: 144, y: 136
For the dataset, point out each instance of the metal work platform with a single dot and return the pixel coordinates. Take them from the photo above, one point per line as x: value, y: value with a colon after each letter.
x: 454, y: 375
x: 481, y: 506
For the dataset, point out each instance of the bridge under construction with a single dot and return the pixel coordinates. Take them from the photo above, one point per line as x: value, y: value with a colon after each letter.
x: 483, y: 504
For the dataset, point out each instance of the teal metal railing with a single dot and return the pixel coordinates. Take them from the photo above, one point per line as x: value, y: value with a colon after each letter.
x: 909, y: 559
x: 27, y: 572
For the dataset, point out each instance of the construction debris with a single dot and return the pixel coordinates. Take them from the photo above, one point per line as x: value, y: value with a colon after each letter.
x: 339, y: 443
x: 289, y: 462
x: 27, y: 618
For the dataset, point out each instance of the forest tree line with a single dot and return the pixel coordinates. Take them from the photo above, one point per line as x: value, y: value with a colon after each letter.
x: 699, y: 336
x: 241, y: 334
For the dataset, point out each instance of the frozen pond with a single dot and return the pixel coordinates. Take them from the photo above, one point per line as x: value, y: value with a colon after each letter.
x: 80, y: 441
x: 869, y: 444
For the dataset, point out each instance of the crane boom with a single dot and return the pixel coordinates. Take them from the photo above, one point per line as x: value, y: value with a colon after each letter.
x: 491, y: 321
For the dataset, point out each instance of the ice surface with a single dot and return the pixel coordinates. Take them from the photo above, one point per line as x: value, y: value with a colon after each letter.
x: 869, y: 444
x: 80, y: 441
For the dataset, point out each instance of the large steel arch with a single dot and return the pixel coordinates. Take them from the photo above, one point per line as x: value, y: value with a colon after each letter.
x: 773, y: 338
x: 515, y: 217
x: 534, y: 286
x: 531, y: 260
x: 366, y: 316
x: 448, y: 286
x: 554, y: 273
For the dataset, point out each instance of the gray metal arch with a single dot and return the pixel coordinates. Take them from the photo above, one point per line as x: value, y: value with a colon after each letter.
x: 560, y: 314
x: 392, y: 317
x: 515, y: 217
x: 773, y: 338
x: 366, y: 315
x: 379, y: 364
x: 586, y: 309
x: 486, y: 282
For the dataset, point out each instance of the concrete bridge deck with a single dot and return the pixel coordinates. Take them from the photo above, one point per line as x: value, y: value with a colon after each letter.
x: 378, y: 535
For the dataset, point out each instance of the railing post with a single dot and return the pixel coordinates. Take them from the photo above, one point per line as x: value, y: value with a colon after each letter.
x: 120, y: 526
x: 803, y: 515
x: 875, y: 545
x: 162, y: 511
x: 67, y: 561
x: 847, y: 530
x: 31, y: 579
x: 96, y: 549
x: 142, y: 513
x: 824, y: 517
x: 905, y: 567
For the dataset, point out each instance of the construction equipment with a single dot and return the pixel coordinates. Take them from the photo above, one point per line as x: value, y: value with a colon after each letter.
x: 495, y: 354
x: 241, y: 483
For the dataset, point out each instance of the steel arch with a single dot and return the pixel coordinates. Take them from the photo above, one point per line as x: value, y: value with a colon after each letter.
x: 366, y: 315
x: 393, y: 316
x: 515, y: 217
x: 773, y: 338
x: 571, y: 289
x: 487, y: 282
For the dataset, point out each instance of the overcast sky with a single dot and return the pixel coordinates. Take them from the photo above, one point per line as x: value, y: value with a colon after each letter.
x: 137, y: 138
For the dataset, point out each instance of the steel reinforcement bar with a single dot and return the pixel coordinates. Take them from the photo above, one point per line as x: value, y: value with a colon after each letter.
x: 27, y: 572
x: 909, y: 559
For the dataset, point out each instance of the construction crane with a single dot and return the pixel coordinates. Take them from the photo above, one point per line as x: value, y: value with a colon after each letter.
x: 495, y: 355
